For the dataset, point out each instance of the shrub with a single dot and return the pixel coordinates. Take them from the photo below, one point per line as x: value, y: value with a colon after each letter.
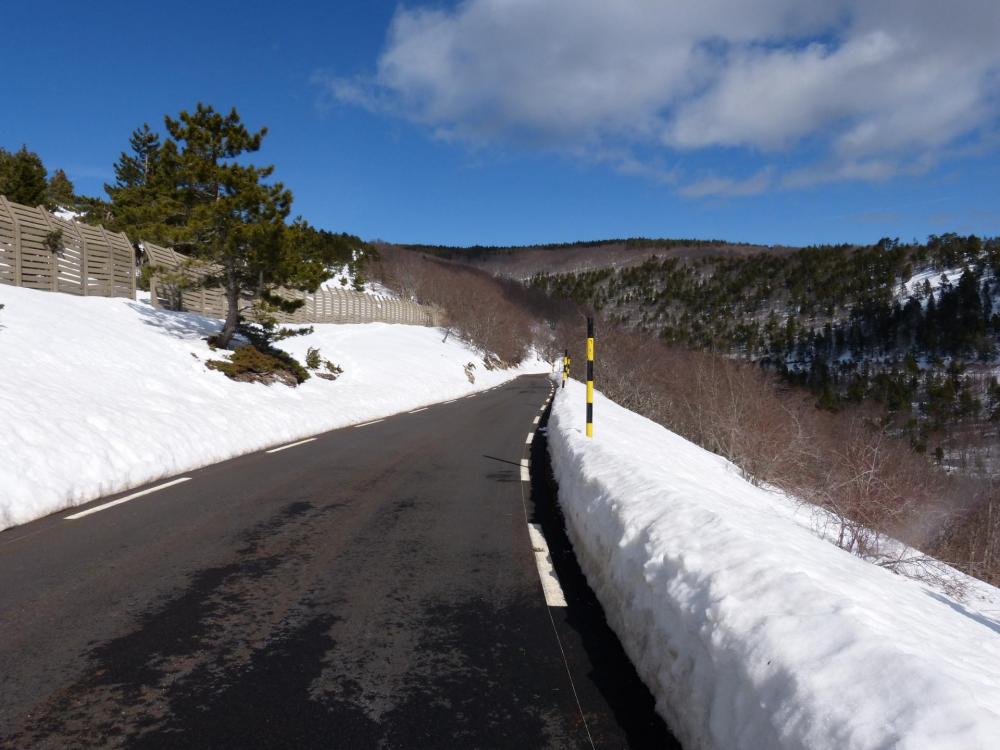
x: 313, y: 358
x: 250, y: 365
x: 262, y: 335
x: 482, y: 310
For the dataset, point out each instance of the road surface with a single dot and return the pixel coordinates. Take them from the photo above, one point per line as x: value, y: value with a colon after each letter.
x: 377, y: 586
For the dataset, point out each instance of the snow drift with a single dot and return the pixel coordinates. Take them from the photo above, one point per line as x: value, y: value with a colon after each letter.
x: 750, y: 630
x: 100, y: 395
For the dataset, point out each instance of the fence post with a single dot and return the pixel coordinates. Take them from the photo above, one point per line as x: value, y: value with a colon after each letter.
x: 132, y: 267
x: 16, y: 247
x: 590, y: 377
x: 84, y: 277
x: 110, y: 291
x: 53, y: 256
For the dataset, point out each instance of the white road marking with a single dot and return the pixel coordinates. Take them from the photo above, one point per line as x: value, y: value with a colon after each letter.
x: 450, y: 402
x: 416, y: 411
x: 535, y: 420
x: 125, y: 499
x: 525, y: 474
x: 290, y: 445
x: 531, y: 436
x: 554, y: 595
x: 365, y: 424
x: 555, y: 633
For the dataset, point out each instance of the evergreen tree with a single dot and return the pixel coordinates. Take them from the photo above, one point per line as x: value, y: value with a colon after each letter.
x: 23, y: 177
x: 61, y: 191
x: 135, y: 169
x: 144, y: 200
x: 233, y: 219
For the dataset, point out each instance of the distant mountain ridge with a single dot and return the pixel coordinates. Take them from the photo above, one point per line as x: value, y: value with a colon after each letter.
x: 525, y: 261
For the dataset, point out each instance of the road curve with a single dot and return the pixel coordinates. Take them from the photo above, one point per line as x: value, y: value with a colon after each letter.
x: 373, y: 587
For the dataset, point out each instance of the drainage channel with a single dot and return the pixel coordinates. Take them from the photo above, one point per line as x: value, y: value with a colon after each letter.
x: 609, y: 678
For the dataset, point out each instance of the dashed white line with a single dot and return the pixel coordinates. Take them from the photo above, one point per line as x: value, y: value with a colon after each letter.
x: 290, y: 445
x: 417, y: 411
x: 554, y: 595
x: 525, y: 474
x: 535, y: 420
x: 450, y: 402
x: 125, y: 499
x: 531, y: 436
x: 365, y: 424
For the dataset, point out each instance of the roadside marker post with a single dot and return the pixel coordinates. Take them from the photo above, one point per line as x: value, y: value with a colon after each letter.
x: 590, y: 377
x: 565, y: 368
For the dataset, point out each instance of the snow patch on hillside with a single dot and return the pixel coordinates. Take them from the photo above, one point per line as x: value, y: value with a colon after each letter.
x: 915, y: 285
x: 750, y: 630
x: 100, y: 395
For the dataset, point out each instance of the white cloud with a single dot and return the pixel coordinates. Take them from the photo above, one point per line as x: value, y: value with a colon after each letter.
x: 876, y: 85
x: 728, y: 187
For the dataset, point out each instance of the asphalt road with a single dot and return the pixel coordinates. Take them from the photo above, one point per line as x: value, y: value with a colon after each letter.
x: 374, y: 587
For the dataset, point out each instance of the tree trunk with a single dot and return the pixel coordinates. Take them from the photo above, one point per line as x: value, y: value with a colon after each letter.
x: 232, y: 318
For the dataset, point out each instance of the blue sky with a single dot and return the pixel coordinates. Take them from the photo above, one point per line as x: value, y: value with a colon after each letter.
x: 515, y: 121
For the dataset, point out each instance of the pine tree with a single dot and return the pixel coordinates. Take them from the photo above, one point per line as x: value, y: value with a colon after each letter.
x: 144, y: 201
x: 135, y: 169
x: 61, y: 192
x: 23, y: 177
x: 232, y: 218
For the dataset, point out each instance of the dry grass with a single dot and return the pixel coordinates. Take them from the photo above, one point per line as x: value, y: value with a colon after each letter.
x: 875, y: 488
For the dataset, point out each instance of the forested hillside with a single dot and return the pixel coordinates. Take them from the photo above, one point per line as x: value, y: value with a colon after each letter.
x: 524, y: 262
x: 913, y: 327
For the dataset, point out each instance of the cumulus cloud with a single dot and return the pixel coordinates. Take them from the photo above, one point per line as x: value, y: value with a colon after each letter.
x: 868, y: 88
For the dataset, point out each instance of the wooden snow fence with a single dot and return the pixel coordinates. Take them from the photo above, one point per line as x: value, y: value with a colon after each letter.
x: 88, y: 260
x: 174, y: 284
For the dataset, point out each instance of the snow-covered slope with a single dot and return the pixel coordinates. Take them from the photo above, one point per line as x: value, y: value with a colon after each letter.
x: 99, y: 395
x: 751, y: 631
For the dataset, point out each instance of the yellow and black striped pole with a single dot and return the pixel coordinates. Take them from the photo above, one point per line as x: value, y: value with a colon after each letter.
x: 565, y: 368
x: 590, y: 377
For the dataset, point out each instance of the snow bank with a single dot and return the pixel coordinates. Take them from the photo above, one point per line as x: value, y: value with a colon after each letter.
x: 99, y: 395
x: 751, y: 631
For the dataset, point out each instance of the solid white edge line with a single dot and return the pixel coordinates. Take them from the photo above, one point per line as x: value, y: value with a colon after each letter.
x: 125, y: 499
x: 290, y: 445
x: 365, y: 424
x: 554, y: 595
x: 562, y: 650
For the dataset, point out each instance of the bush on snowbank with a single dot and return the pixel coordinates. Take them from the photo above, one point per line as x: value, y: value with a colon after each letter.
x: 480, y: 308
